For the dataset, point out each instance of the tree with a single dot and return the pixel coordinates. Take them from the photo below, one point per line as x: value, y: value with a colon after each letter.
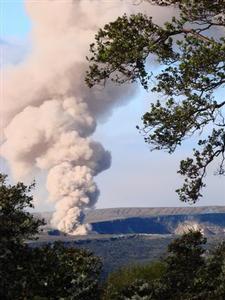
x: 51, y: 271
x: 183, y: 264
x: 59, y: 272
x: 189, y: 273
x: 16, y: 226
x: 191, y: 51
x: 210, y: 282
x: 138, y: 290
x: 129, y: 280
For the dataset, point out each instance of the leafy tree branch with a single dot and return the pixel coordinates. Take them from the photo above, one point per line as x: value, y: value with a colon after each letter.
x: 191, y: 51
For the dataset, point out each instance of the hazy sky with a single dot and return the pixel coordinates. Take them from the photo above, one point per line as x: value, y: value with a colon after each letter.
x: 137, y: 176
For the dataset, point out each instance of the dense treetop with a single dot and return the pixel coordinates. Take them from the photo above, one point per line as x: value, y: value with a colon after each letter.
x: 188, y: 272
x: 52, y: 271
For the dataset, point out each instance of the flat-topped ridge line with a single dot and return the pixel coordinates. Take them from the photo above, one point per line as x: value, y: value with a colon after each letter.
x: 108, y: 214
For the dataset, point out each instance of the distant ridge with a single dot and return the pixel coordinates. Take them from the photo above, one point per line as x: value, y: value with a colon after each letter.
x: 108, y: 214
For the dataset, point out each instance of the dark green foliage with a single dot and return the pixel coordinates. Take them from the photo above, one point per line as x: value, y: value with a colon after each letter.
x: 190, y: 273
x: 210, y: 283
x: 16, y: 224
x: 191, y: 51
x: 57, y: 272
x: 125, y: 279
x: 184, y: 261
x: 186, y: 274
x: 49, y: 272
x: 139, y: 289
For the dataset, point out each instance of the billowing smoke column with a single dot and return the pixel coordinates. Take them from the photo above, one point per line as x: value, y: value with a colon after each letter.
x: 49, y: 114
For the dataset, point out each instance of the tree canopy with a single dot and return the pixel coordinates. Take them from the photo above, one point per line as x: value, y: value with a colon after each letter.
x: 50, y: 271
x: 190, y: 50
x: 188, y: 272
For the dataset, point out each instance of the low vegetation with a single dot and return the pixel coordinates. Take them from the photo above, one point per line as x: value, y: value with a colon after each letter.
x: 55, y: 271
x: 121, y: 280
x: 49, y: 272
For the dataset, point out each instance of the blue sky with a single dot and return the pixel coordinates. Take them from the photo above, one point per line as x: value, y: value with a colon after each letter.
x: 14, y: 20
x: 137, y: 177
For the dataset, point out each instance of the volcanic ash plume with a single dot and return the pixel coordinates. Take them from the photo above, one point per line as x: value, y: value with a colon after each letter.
x: 49, y: 114
x: 74, y: 188
x: 52, y: 137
